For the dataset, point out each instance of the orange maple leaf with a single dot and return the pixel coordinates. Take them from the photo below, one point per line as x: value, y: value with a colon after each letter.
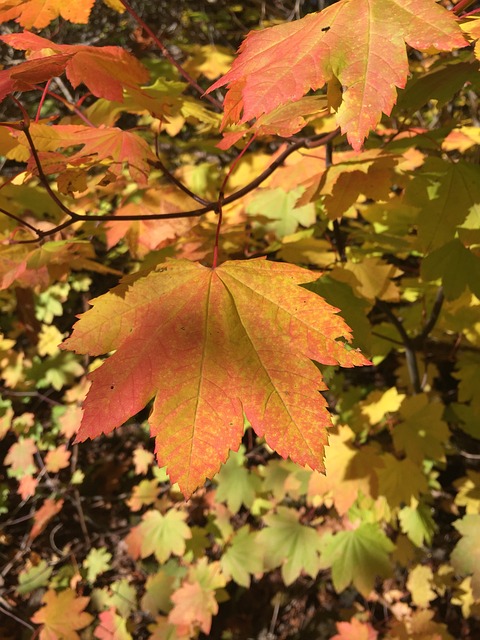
x: 62, y: 615
x: 99, y: 142
x: 193, y: 608
x: 213, y: 344
x: 42, y: 517
x: 39, y: 13
x: 105, y: 71
x: 360, y: 44
x: 355, y: 630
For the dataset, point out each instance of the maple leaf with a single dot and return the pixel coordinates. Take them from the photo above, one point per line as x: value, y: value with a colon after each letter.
x: 97, y: 562
x: 162, y: 535
x: 20, y: 457
x: 236, y: 484
x: 42, y: 516
x: 39, y: 13
x: 285, y: 120
x: 417, y: 522
x: 158, y: 590
x: 243, y: 557
x: 193, y: 607
x: 212, y: 344
x: 62, y: 615
x: 400, y: 480
x: 355, y: 630
x: 291, y: 544
x: 57, y: 459
x: 102, y: 142
x: 112, y: 626
x: 465, y: 557
x: 360, y: 44
x: 358, y: 556
x: 146, y: 235
x: 105, y: 71
x: 419, y: 584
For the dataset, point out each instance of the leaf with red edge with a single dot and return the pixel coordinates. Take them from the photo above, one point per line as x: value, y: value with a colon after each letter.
x: 62, y: 616
x: 39, y: 13
x: 105, y: 71
x: 361, y: 44
x: 211, y: 344
x: 112, y: 626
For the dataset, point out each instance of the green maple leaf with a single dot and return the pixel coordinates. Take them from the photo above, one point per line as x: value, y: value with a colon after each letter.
x: 417, y: 522
x: 34, y: 578
x: 236, y: 484
x: 279, y: 205
x: 158, y: 589
x: 422, y: 434
x: 97, y: 562
x: 354, y: 309
x: 289, y: 544
x: 163, y: 535
x: 456, y: 266
x: 243, y: 557
x: 400, y: 480
x: 358, y: 556
x: 447, y: 194
x: 465, y: 557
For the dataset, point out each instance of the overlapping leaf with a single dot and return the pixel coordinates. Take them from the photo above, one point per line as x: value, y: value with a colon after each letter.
x: 104, y: 70
x: 361, y: 44
x: 211, y: 345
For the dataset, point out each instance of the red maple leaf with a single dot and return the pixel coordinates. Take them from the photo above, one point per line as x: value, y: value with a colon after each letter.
x: 105, y: 71
x: 361, y: 44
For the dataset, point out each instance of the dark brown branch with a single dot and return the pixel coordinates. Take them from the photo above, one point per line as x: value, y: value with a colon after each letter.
x: 336, y: 226
x: 210, y: 206
x: 159, y: 165
x: 432, y: 320
x: 43, y: 177
x: 408, y: 343
x: 20, y: 221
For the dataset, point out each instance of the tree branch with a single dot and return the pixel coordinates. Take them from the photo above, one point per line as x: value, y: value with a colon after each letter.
x: 314, y: 141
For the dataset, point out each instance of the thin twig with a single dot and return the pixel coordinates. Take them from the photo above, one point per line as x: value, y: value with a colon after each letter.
x: 170, y: 58
x: 159, y: 165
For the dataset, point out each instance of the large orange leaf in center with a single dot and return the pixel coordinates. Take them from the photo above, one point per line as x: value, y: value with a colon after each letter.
x: 210, y: 345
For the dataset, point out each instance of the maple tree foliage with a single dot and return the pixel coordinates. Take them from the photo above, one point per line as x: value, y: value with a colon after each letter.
x: 272, y: 257
x: 198, y: 325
